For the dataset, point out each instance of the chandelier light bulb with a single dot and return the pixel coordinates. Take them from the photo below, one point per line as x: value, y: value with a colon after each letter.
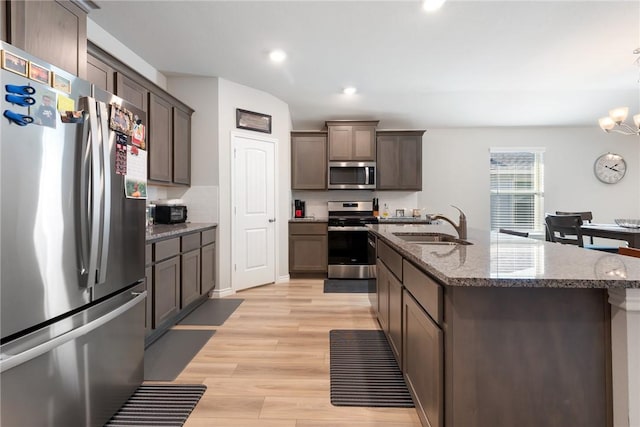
x: 606, y: 124
x: 349, y: 90
x: 636, y: 120
x: 619, y: 114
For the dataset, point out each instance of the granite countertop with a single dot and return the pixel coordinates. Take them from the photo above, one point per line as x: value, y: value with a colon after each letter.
x: 309, y: 219
x: 404, y: 220
x: 502, y: 260
x: 162, y: 231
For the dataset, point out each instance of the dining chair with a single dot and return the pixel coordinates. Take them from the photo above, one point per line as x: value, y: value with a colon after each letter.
x: 587, y: 216
x: 514, y: 232
x: 564, y: 229
x: 623, y: 250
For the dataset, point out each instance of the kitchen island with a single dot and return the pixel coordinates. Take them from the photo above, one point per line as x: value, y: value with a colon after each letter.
x: 510, y: 331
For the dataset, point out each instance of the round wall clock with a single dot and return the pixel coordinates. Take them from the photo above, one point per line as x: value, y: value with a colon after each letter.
x: 610, y: 168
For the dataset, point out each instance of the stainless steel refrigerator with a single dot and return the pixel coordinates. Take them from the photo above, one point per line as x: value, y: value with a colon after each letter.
x: 72, y: 253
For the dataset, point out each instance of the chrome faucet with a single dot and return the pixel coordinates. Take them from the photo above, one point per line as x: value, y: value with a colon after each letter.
x: 461, y: 228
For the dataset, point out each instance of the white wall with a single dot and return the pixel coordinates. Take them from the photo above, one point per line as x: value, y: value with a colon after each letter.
x: 231, y: 96
x: 456, y: 170
x: 115, y: 47
x: 316, y: 201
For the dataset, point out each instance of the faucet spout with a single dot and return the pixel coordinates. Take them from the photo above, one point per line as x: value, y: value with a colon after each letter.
x: 461, y: 227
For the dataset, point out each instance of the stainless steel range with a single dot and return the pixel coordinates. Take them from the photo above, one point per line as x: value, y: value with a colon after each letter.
x: 350, y: 255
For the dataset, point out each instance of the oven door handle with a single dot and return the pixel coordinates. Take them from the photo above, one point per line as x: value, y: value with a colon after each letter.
x: 348, y: 228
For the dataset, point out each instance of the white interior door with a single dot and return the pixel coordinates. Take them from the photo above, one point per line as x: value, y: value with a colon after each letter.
x: 253, y: 215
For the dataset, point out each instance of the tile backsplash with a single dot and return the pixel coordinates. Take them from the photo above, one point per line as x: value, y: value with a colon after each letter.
x: 316, y: 202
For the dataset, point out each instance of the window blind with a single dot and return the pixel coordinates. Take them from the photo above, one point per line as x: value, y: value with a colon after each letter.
x: 517, y: 193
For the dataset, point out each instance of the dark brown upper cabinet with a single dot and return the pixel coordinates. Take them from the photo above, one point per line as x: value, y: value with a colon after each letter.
x: 55, y: 31
x: 129, y: 90
x: 308, y: 160
x: 181, y: 146
x: 160, y: 136
x: 399, y: 164
x: 100, y: 74
x: 351, y: 140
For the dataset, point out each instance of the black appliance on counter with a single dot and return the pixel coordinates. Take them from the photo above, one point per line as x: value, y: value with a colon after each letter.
x: 350, y: 254
x: 299, y: 208
x: 170, y: 214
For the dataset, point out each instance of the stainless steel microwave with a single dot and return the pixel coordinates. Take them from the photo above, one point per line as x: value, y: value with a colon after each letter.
x: 352, y: 176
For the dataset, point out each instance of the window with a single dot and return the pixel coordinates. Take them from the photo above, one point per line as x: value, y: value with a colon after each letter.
x: 517, y: 192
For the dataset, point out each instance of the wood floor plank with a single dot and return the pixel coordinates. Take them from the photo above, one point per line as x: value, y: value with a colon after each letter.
x: 268, y: 364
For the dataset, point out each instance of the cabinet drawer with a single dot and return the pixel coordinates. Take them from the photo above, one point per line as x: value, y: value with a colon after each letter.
x: 391, y: 258
x: 190, y: 242
x: 308, y: 228
x: 148, y: 255
x: 208, y: 236
x: 425, y: 290
x: 166, y: 249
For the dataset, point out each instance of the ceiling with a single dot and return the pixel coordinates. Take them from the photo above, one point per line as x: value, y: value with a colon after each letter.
x: 472, y: 63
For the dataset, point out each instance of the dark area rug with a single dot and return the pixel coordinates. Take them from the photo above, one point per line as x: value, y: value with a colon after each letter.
x: 354, y: 286
x: 212, y: 312
x: 364, y: 372
x: 168, y: 356
x: 158, y: 405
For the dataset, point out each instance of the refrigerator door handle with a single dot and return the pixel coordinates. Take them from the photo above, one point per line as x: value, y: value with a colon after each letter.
x: 8, y: 362
x: 103, y: 115
x: 96, y: 192
x: 83, y: 196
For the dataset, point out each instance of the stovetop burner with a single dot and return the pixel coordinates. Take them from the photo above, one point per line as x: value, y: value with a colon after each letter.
x: 351, y: 213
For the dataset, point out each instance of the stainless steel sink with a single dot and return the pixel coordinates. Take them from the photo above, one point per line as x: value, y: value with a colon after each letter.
x: 431, y: 239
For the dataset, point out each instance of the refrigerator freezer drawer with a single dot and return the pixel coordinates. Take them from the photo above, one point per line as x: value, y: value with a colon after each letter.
x: 81, y: 377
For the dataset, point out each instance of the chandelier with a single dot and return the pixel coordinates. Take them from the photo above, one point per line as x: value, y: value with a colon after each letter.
x: 615, y: 122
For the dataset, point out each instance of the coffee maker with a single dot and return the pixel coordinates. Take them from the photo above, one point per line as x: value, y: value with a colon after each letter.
x: 298, y: 208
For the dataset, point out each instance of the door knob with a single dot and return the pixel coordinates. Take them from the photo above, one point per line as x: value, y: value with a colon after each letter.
x: 272, y: 220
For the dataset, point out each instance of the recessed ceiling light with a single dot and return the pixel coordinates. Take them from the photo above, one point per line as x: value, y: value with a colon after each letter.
x: 432, y: 5
x: 278, y: 55
x: 349, y: 90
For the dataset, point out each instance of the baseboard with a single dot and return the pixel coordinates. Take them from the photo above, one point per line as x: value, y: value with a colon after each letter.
x: 219, y: 293
x: 284, y: 278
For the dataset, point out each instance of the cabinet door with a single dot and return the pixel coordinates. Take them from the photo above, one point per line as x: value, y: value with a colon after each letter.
x: 399, y: 162
x: 131, y: 91
x: 100, y: 74
x: 308, y: 253
x: 383, y: 295
x: 55, y: 31
x: 148, y: 280
x: 395, y: 317
x: 208, y: 268
x: 308, y: 162
x: 190, y: 284
x: 166, y: 290
x: 181, y: 147
x: 423, y: 348
x: 340, y: 143
x: 160, y: 139
x: 363, y: 143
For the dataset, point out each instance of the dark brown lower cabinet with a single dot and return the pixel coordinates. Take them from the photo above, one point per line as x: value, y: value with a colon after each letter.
x: 423, y: 349
x: 190, y: 283
x: 382, y: 282
x: 395, y: 317
x: 308, y: 248
x: 166, y: 290
x: 148, y: 280
x: 208, y: 268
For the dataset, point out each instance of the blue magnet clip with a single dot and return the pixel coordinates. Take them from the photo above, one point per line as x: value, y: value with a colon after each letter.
x: 20, y: 90
x: 23, y: 101
x: 17, y: 118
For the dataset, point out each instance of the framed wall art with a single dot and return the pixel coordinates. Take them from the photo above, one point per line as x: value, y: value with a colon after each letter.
x: 39, y: 73
x: 14, y: 63
x: 253, y: 121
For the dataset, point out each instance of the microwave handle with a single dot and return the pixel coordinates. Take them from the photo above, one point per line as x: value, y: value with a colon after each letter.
x: 366, y: 175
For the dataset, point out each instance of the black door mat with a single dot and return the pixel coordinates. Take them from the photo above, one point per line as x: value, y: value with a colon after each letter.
x: 364, y: 372
x: 168, y: 356
x: 158, y: 405
x: 212, y: 312
x: 354, y: 286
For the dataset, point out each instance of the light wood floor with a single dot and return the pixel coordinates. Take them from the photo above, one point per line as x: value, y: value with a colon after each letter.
x: 268, y: 365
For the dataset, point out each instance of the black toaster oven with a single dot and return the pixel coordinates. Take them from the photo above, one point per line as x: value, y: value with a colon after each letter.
x: 170, y: 214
